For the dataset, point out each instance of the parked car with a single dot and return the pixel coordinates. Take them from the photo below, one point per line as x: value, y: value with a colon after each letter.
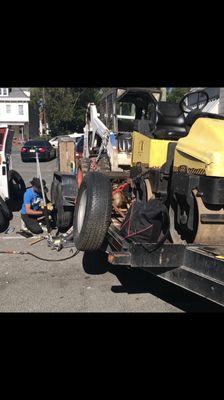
x: 76, y: 136
x: 45, y: 151
x: 54, y: 141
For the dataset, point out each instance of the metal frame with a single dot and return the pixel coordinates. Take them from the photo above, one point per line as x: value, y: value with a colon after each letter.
x: 116, y: 95
x: 197, y: 268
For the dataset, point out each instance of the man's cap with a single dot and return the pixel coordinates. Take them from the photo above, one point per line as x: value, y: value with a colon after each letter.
x: 36, y: 182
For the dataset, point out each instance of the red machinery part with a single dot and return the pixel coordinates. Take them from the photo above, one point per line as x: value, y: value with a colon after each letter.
x: 120, y: 188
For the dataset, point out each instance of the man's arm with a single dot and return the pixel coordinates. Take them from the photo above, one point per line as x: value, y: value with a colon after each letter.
x: 29, y: 210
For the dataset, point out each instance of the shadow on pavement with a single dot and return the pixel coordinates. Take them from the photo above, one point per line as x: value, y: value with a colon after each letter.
x: 135, y: 281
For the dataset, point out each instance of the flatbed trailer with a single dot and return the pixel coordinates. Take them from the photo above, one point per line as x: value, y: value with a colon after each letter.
x: 197, y: 268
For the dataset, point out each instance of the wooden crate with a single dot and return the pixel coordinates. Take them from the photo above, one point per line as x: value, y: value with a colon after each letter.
x: 66, y: 154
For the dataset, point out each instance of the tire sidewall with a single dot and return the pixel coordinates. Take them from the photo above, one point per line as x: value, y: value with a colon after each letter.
x: 14, y: 175
x: 5, y: 209
x: 54, y: 191
x: 89, y: 237
x: 4, y: 222
x: 64, y: 216
x: 84, y: 186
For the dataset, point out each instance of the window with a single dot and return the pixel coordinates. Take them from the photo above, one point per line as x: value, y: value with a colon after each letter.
x: 8, y: 108
x: 20, y: 109
x: 4, y: 91
x: 126, y: 109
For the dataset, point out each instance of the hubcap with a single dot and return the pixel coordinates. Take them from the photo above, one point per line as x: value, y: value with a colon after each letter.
x: 81, y: 210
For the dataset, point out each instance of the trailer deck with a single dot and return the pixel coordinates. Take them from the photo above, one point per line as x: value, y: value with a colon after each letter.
x: 199, y: 269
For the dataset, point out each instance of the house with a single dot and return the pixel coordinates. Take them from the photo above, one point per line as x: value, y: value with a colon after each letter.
x: 14, y: 110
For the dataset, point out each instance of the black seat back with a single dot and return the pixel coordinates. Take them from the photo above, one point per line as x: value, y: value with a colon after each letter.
x: 171, y: 123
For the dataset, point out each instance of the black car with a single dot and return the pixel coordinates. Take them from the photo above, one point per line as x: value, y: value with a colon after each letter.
x: 45, y: 151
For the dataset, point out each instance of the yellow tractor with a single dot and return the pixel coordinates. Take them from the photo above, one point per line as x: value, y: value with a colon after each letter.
x: 178, y: 151
x: 168, y: 217
x: 177, y: 160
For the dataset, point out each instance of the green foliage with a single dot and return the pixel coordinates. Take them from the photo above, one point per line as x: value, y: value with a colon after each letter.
x: 176, y: 94
x: 65, y: 107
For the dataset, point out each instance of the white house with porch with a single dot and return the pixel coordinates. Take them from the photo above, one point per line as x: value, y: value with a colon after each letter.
x: 14, y: 110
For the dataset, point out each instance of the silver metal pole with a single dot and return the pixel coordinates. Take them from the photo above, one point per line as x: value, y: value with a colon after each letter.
x: 40, y: 177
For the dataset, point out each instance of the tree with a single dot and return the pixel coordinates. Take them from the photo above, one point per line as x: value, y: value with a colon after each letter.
x: 176, y: 94
x: 85, y: 96
x: 65, y: 108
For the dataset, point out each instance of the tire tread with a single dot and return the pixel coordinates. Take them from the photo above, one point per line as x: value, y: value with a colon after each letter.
x: 96, y: 222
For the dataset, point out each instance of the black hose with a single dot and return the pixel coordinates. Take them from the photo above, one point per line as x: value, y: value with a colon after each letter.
x: 39, y: 258
x: 45, y: 259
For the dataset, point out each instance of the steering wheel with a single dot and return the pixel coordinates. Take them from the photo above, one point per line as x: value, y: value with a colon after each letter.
x: 194, y: 101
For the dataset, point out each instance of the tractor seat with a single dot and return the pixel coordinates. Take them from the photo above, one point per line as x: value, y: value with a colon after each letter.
x: 194, y: 115
x: 171, y: 122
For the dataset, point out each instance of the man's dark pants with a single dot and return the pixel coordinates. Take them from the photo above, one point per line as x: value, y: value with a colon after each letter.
x: 31, y: 223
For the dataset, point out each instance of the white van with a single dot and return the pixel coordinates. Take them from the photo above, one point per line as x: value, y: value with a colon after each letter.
x: 54, y: 141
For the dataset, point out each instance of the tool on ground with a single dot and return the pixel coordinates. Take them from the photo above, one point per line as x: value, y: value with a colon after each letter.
x: 25, y: 234
x: 37, y: 240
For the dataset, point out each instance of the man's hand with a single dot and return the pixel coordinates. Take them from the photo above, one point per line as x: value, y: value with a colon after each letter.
x: 49, y: 206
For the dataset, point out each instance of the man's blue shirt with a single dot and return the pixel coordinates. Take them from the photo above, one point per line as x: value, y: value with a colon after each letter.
x: 32, y: 198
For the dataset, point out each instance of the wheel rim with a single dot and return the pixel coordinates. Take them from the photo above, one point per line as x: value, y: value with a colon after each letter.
x: 81, y: 210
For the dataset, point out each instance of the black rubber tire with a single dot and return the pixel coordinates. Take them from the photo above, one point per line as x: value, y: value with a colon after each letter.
x: 17, y: 189
x: 54, y: 190
x: 97, y: 213
x: 64, y: 214
x: 4, y: 222
x: 17, y: 185
x: 5, y: 209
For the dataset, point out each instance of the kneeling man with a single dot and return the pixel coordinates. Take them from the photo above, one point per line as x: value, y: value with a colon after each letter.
x: 31, y: 208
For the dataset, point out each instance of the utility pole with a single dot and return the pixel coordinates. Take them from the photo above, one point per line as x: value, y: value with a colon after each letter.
x: 40, y: 117
x: 44, y: 114
x: 43, y: 126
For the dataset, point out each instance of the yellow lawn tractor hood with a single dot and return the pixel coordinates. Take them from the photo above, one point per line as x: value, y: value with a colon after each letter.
x: 205, y: 144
